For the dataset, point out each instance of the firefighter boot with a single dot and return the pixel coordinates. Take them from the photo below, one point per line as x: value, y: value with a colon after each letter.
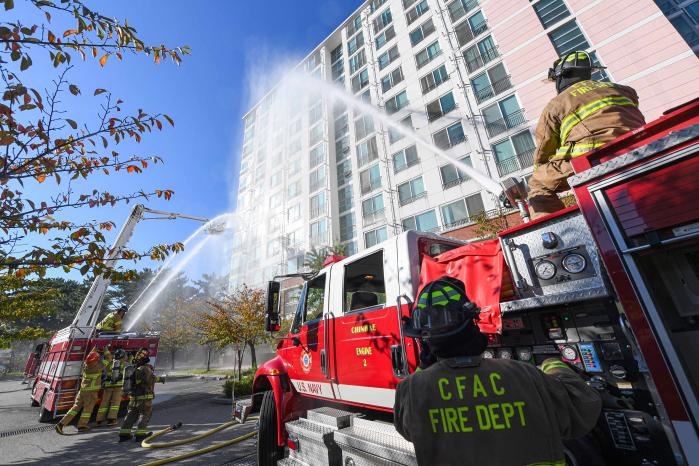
x: 83, y: 428
x: 59, y: 428
x: 111, y: 422
x: 141, y: 436
x: 124, y: 435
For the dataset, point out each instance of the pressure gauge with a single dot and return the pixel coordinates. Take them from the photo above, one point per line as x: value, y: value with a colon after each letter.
x: 488, y: 354
x: 574, y: 263
x: 569, y: 353
x: 545, y: 270
x: 524, y: 354
x: 504, y: 353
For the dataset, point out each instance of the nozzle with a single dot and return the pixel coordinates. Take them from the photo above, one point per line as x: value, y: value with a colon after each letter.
x: 216, y: 228
x: 515, y: 194
x: 176, y: 426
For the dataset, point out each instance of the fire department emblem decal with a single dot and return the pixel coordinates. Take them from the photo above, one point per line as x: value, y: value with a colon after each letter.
x: 306, y: 361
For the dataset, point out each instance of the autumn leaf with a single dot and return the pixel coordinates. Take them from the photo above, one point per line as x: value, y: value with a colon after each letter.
x: 172, y: 123
x: 103, y: 60
x: 74, y: 89
x: 72, y: 124
x: 41, y: 178
x: 69, y: 32
x: 99, y: 91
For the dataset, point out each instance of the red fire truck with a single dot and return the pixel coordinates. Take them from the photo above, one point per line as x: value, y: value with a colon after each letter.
x: 55, y: 367
x: 611, y: 286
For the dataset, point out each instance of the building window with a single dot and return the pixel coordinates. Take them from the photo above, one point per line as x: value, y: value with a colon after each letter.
x: 405, y: 159
x: 318, y: 205
x: 347, y: 230
x: 273, y: 248
x: 342, y: 147
x: 293, y: 213
x: 295, y: 146
x: 422, y: 31
x: 363, y: 126
x: 462, y: 211
x: 357, y: 61
x: 452, y: 176
x: 515, y: 153
x: 317, y: 155
x: 550, y: 11
x: 491, y: 83
x: 374, y: 237
x: 426, y: 221
x: 685, y: 28
x: 385, y: 37
x: 388, y: 57
x: 360, y: 81
x: 367, y: 151
x: 467, y: 30
x: 411, y: 191
x: 396, y: 102
x: 276, y: 179
x: 383, y: 20
x: 427, y: 54
x: 375, y: 4
x: 319, y: 232
x: 354, y: 26
x: 503, y: 116
x: 459, y: 8
x: 434, y: 79
x: 344, y: 198
x: 480, y: 54
x: 317, y: 179
x: 344, y: 172
x: 391, y: 79
x: 449, y: 136
x: 355, y: 43
x: 336, y: 54
x: 315, y: 135
x: 370, y: 179
x: 293, y: 189
x: 568, y: 38
x: 441, y: 107
x: 415, y: 12
x: 373, y: 210
x: 394, y: 136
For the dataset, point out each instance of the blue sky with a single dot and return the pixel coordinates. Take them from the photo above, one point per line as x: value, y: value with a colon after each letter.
x: 206, y: 96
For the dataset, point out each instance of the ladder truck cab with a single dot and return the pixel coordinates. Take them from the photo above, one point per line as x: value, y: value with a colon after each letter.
x: 611, y: 287
x: 55, y: 367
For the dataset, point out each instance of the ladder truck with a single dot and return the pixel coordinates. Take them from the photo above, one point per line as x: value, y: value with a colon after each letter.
x: 611, y: 286
x: 54, y: 368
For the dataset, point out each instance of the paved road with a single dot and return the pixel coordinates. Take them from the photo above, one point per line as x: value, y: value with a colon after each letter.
x: 191, y: 401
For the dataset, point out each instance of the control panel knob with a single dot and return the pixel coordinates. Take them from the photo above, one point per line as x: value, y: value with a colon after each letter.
x: 618, y: 372
x: 488, y: 354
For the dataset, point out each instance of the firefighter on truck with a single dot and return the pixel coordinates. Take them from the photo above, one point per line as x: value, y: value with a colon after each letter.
x: 112, y: 322
x: 491, y: 411
x: 584, y: 115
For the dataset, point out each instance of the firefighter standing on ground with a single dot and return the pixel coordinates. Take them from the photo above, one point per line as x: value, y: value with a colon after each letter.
x: 90, y: 386
x: 464, y: 409
x: 141, y: 398
x: 113, y: 383
x: 112, y: 321
x: 585, y: 115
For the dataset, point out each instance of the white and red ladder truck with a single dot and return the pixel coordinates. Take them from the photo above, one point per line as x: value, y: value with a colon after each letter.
x: 611, y: 286
x: 54, y: 368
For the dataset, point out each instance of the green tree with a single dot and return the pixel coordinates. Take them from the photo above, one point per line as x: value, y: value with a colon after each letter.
x: 173, y: 323
x: 316, y: 256
x: 42, y: 141
x: 14, y: 313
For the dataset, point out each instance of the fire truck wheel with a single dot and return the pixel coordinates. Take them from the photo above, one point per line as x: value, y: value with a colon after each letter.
x: 46, y: 415
x: 268, y: 453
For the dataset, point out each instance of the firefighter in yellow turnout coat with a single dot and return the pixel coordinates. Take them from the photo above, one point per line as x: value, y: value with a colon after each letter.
x: 90, y: 386
x: 141, y: 398
x: 112, y: 322
x: 585, y: 115
x: 112, y: 393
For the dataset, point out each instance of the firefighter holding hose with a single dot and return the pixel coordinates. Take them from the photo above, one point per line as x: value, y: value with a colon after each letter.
x: 112, y: 392
x: 112, y: 322
x: 90, y: 386
x: 462, y: 409
x: 584, y: 115
x: 142, y: 392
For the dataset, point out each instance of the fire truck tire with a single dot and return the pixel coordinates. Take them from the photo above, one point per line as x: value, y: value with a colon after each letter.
x: 268, y: 453
x: 45, y: 416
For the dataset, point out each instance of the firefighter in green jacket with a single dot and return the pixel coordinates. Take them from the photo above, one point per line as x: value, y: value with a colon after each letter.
x: 90, y: 385
x: 112, y: 321
x: 141, y: 398
x: 467, y: 410
x: 112, y: 392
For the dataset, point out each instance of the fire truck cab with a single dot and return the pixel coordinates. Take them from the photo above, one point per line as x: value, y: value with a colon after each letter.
x: 611, y: 287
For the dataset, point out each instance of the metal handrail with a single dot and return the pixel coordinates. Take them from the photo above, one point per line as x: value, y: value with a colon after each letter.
x: 404, y: 355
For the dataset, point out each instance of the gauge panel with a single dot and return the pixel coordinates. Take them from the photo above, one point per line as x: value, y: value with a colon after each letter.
x: 562, y: 266
x: 545, y: 270
x: 574, y: 263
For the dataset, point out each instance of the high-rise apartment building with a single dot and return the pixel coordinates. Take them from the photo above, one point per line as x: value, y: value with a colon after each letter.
x: 684, y: 16
x: 468, y: 75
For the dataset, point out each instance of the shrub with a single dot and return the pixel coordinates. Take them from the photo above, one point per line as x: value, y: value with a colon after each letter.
x: 243, y: 387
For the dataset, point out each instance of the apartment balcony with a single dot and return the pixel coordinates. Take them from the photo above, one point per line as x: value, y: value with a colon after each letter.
x: 412, y: 199
x: 317, y: 211
x: 482, y: 60
x: 497, y: 88
x: 479, y: 28
x: 372, y: 218
x: 319, y: 239
x: 455, y: 182
x: 510, y: 121
x: 518, y: 162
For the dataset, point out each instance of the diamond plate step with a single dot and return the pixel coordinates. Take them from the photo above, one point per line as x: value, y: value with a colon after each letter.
x: 315, y: 444
x: 334, y: 417
x: 374, y: 443
x: 290, y: 462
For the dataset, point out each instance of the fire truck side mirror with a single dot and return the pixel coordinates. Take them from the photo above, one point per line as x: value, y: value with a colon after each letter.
x: 272, y: 318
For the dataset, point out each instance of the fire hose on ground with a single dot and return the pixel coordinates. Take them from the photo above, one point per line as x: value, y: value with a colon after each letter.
x: 147, y: 442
